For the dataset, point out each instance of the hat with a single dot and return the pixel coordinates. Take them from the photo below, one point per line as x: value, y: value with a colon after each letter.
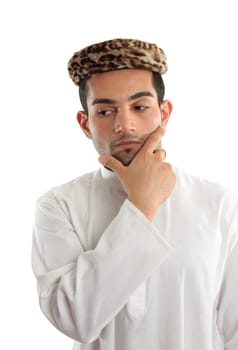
x: 114, y: 55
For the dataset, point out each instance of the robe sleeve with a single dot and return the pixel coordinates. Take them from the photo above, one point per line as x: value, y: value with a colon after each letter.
x: 228, y: 301
x: 80, y: 291
x: 228, y: 306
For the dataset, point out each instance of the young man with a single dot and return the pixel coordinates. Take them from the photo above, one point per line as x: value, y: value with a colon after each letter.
x: 137, y: 255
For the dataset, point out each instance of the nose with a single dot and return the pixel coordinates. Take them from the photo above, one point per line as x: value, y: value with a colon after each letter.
x: 124, y: 122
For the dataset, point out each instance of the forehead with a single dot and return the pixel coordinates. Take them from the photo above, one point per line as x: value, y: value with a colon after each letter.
x: 120, y: 83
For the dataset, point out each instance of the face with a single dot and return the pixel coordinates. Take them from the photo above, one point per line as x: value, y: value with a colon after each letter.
x: 123, y: 111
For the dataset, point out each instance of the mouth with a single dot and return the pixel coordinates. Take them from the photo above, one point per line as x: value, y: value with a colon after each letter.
x: 125, y: 151
x: 126, y: 144
x: 126, y: 148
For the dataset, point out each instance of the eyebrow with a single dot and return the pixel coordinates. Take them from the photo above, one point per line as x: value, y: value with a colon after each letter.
x: 140, y: 94
x: 131, y: 98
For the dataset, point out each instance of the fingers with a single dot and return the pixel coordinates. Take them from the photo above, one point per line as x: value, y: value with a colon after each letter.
x: 111, y: 163
x: 160, y: 153
x: 154, y: 139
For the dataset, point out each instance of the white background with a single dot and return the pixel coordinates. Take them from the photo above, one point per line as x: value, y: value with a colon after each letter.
x: 42, y: 146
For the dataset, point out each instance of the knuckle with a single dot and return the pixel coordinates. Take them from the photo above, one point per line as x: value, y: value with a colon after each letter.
x: 168, y: 167
x: 111, y: 164
x: 160, y: 154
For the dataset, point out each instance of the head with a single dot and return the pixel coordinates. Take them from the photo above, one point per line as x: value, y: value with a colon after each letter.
x: 157, y: 82
x: 122, y: 93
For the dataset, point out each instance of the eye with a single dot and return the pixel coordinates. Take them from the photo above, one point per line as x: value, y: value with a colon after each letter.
x: 141, y: 108
x: 105, y: 112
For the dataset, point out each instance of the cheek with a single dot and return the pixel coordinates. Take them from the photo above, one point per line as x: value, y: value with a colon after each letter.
x: 156, y: 122
x: 99, y: 131
x: 152, y: 123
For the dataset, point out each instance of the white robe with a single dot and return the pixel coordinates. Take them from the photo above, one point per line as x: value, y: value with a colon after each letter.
x: 111, y: 280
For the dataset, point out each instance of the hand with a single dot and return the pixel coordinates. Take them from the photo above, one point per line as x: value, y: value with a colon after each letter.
x: 148, y: 180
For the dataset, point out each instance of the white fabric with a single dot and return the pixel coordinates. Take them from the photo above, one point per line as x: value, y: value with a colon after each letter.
x: 111, y: 280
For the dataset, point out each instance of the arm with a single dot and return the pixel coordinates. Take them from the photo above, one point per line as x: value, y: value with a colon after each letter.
x: 147, y: 180
x: 228, y: 300
x: 228, y: 306
x: 80, y: 292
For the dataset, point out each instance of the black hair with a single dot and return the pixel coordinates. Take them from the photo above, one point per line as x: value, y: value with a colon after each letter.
x: 157, y: 81
x: 83, y: 94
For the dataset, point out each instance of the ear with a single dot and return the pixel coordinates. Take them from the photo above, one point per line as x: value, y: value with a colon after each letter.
x: 82, y: 119
x: 166, y: 109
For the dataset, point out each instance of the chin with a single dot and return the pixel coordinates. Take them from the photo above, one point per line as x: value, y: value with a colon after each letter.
x: 126, y: 162
x: 125, y: 158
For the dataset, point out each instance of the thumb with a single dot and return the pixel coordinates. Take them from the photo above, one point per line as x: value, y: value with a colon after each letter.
x: 111, y: 163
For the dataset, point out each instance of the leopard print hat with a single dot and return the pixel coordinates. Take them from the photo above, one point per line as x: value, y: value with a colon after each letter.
x: 114, y: 55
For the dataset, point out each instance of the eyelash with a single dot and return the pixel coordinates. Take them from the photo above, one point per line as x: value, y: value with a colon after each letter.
x: 138, y: 107
x: 103, y: 112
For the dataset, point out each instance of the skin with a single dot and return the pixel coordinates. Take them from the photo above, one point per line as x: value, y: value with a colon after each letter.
x: 126, y: 124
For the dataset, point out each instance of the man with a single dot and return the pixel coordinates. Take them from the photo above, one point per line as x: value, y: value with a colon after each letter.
x: 137, y: 255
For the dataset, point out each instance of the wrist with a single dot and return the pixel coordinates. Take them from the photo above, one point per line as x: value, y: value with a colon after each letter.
x: 149, y: 213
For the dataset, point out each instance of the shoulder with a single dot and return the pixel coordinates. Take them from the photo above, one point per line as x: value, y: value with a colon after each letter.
x: 73, y: 188
x: 188, y: 182
x: 60, y: 202
x: 206, y: 196
x: 218, y: 203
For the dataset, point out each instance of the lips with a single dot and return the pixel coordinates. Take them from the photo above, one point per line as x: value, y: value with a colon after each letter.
x: 126, y: 143
x: 125, y: 150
